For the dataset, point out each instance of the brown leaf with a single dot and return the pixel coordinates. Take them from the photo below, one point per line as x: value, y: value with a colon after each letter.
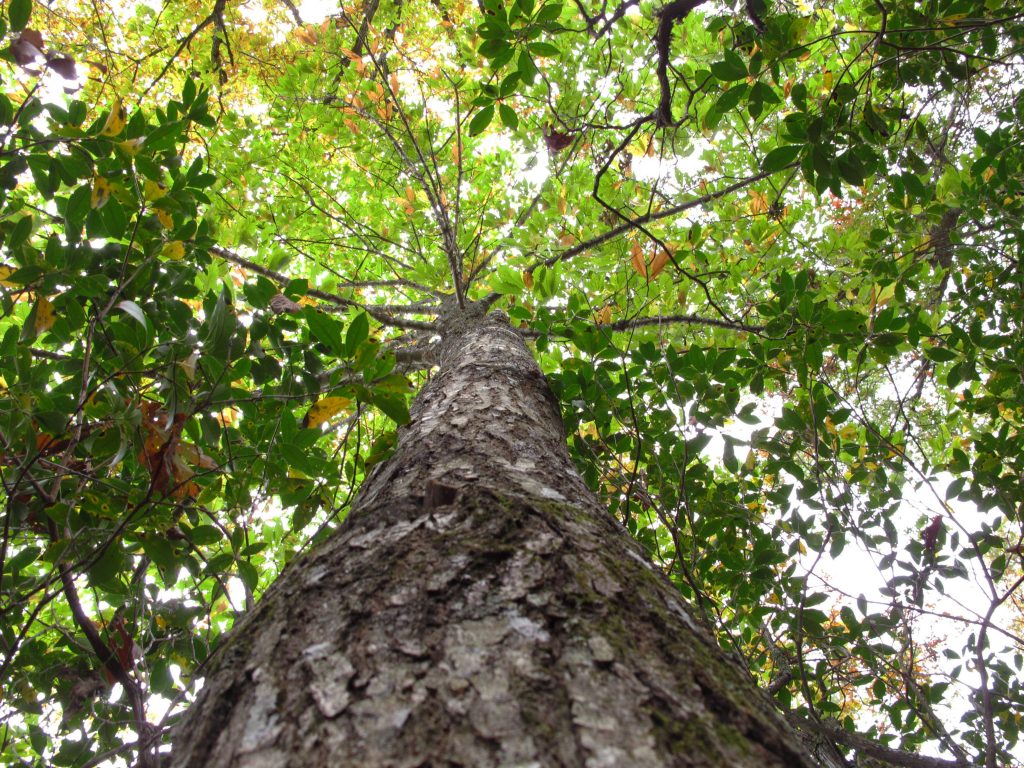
x: 28, y: 48
x: 307, y: 35
x: 63, y: 66
x: 124, y: 647
x: 556, y: 141
x: 281, y: 304
x: 636, y: 258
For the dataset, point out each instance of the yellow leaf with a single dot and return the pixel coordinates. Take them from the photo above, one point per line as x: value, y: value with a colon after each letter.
x: 164, y: 218
x: 101, y: 190
x: 116, y: 119
x: 988, y: 173
x: 45, y: 315
x: 325, y: 409
x: 758, y: 203
x: 131, y: 147
x: 566, y: 240
x: 6, y: 272
x: 154, y: 190
x: 174, y: 250
x: 604, y: 315
x: 410, y: 194
x: 562, y: 205
x: 528, y: 279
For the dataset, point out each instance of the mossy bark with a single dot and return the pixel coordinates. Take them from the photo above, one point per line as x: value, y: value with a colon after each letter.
x: 478, y: 608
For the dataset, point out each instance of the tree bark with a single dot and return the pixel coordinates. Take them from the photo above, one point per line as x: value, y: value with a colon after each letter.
x: 478, y: 608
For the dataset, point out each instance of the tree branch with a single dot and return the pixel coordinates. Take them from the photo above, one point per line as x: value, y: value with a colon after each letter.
x: 376, y: 313
x: 641, y: 322
x: 871, y: 748
x: 668, y: 16
x: 614, y: 232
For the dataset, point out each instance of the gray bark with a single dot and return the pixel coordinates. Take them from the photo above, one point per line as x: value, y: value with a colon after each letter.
x: 478, y: 608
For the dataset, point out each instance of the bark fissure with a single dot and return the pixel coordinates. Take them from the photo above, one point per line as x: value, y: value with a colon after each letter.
x: 508, y: 620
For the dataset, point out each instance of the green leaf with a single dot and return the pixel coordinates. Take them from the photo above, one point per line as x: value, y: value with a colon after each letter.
x: 543, y: 49
x: 527, y: 68
x: 846, y: 320
x: 732, y: 68
x: 358, y: 332
x: 133, y: 309
x: 481, y: 120
x: 19, y: 12
x: 508, y: 116
x: 248, y: 573
x: 325, y: 329
x: 730, y: 98
x: 850, y: 168
x: 205, y: 535
x: 780, y: 157
x: 492, y: 49
x: 940, y: 354
x: 550, y: 12
x: 393, y: 406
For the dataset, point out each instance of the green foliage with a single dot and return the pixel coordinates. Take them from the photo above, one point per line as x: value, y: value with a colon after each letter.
x: 785, y: 329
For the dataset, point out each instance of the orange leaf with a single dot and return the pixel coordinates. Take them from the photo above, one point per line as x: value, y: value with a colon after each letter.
x: 657, y: 264
x: 637, y: 259
x: 758, y: 202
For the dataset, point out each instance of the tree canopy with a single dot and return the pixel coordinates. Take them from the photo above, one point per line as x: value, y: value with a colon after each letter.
x: 768, y: 255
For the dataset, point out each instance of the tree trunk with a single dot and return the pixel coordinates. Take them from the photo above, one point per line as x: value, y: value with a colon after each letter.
x: 478, y: 608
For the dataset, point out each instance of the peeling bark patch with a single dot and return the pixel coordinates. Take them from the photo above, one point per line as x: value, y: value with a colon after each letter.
x: 262, y: 724
x: 330, y: 673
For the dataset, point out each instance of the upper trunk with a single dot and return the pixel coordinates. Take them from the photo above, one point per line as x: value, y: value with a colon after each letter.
x: 480, y: 608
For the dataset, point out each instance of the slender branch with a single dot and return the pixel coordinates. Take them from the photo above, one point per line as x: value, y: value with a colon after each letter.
x: 871, y: 748
x: 293, y: 10
x: 640, y: 322
x: 376, y: 313
x: 216, y: 13
x: 614, y: 232
x: 106, y: 657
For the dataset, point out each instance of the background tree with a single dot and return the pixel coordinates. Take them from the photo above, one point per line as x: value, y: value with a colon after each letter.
x: 768, y: 258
